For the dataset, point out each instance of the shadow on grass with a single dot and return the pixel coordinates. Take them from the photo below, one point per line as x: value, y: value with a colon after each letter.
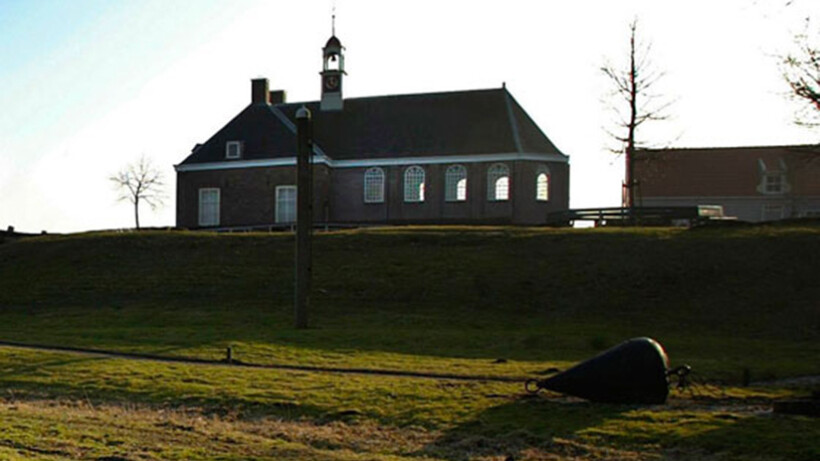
x: 410, y: 291
x: 762, y: 436
x: 524, y: 424
x: 268, y: 337
x: 10, y: 371
x: 232, y: 407
x: 42, y: 381
x: 148, y: 329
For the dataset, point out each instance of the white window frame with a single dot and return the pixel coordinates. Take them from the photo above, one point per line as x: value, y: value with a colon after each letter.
x: 282, y: 214
x: 774, y: 183
x: 455, y: 183
x: 542, y: 184
x: 233, y: 149
x: 374, y: 185
x: 209, y: 204
x: 414, y: 177
x: 498, y: 183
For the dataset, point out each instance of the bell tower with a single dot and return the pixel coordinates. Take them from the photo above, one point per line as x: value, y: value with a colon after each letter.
x: 333, y: 69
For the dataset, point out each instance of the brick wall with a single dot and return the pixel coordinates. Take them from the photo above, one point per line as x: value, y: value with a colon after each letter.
x: 247, y: 195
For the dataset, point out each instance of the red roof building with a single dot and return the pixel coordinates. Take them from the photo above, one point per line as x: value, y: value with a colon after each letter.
x: 751, y: 183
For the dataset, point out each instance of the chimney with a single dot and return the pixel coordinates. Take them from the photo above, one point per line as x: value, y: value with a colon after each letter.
x: 277, y: 97
x: 259, y: 91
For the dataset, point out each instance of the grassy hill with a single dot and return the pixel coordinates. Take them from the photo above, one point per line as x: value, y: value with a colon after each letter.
x: 725, y: 299
x: 451, y: 300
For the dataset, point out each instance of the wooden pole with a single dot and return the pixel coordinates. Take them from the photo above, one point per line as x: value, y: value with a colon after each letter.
x: 304, y: 217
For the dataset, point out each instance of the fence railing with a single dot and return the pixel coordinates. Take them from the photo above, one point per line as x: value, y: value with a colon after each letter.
x: 656, y: 216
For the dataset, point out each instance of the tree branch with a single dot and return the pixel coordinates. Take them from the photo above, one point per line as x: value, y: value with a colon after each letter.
x: 140, y: 181
x: 631, y: 86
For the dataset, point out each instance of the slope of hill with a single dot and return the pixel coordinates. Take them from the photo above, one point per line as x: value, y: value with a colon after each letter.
x: 724, y: 299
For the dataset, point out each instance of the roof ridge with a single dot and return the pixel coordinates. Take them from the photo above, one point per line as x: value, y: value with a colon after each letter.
x: 526, y: 126
x: 292, y: 127
x: 513, y: 122
x: 771, y: 146
x: 403, y: 95
x: 282, y: 118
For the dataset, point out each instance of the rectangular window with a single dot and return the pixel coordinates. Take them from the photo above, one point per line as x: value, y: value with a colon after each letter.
x: 286, y: 204
x: 233, y: 149
x: 209, y: 207
x: 773, y: 184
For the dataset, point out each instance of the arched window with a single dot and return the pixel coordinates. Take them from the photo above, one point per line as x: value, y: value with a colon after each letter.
x: 498, y: 182
x: 455, y: 183
x: 374, y: 185
x: 542, y: 184
x: 414, y: 184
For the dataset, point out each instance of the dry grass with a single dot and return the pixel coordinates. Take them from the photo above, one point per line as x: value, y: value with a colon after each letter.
x: 62, y: 429
x: 65, y: 429
x: 177, y: 421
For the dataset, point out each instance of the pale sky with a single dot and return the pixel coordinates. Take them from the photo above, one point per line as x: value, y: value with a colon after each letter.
x: 90, y: 85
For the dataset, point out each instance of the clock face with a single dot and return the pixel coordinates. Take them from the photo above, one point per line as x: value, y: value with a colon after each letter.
x: 332, y: 82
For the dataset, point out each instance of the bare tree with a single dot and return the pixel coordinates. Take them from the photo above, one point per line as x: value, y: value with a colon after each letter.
x: 634, y: 103
x: 801, y: 69
x: 140, y: 181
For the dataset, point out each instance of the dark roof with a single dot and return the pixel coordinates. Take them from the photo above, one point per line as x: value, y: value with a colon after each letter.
x: 429, y: 124
x: 333, y: 42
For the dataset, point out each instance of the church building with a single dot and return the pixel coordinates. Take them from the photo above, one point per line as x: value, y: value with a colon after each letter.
x: 462, y: 157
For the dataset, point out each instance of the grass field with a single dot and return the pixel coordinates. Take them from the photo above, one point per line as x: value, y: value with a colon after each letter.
x: 470, y: 301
